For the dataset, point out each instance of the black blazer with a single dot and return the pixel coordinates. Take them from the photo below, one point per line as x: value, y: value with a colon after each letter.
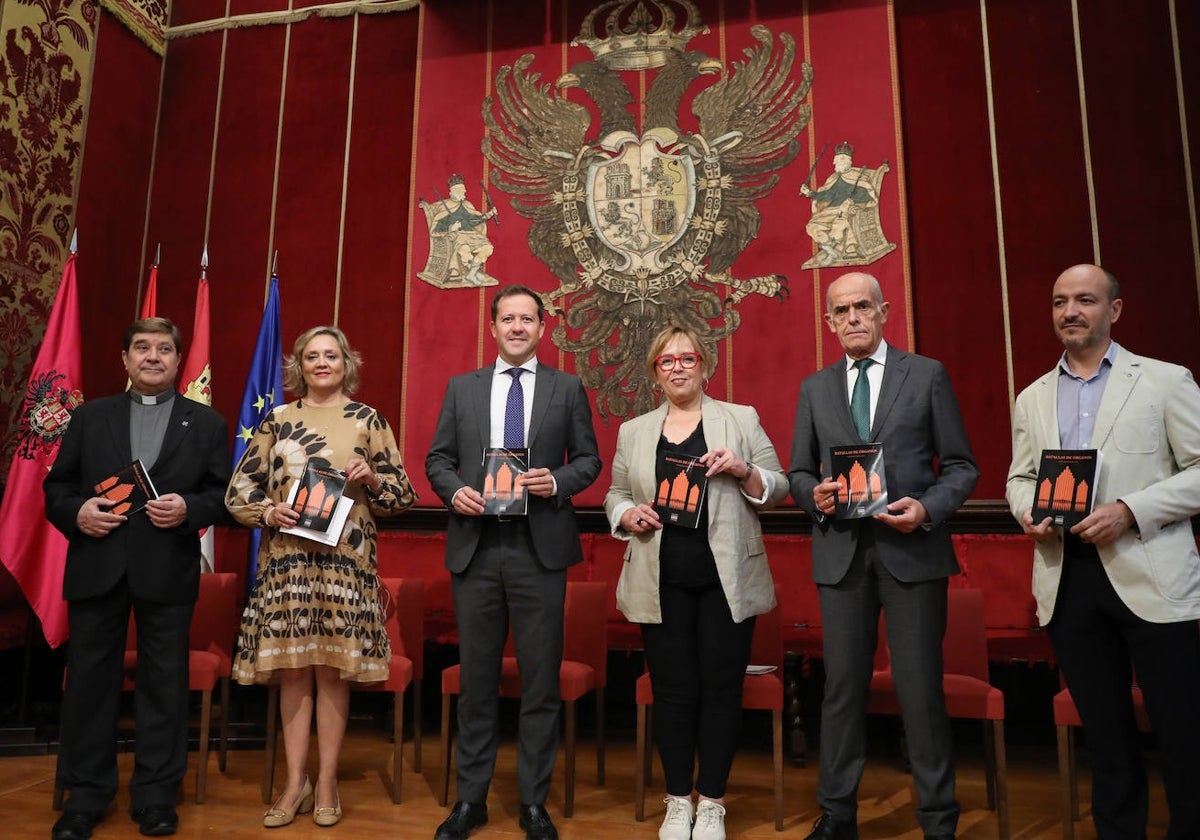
x: 560, y: 437
x: 162, y: 565
x: 926, y: 457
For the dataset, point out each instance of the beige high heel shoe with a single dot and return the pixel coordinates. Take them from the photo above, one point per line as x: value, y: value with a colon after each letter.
x: 278, y: 816
x: 326, y: 817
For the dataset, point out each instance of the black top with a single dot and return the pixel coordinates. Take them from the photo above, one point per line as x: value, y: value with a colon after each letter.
x: 684, y: 556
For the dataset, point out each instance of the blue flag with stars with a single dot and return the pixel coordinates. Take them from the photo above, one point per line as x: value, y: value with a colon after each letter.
x: 264, y: 391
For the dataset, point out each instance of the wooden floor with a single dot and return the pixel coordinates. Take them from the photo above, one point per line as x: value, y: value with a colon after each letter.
x: 233, y: 808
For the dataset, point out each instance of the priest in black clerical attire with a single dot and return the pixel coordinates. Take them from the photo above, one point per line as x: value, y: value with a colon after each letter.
x: 147, y: 562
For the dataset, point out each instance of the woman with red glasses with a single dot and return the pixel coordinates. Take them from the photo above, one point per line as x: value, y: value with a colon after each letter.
x: 688, y: 481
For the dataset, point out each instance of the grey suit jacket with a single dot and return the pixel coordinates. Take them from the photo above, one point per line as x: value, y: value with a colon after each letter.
x: 1148, y: 429
x: 926, y: 456
x: 161, y: 565
x: 734, y: 533
x: 560, y: 437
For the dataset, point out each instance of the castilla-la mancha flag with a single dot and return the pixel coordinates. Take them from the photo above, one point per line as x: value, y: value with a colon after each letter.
x: 34, y: 551
x: 197, y: 385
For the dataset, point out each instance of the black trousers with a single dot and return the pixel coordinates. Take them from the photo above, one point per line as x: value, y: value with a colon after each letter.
x: 87, y: 759
x: 915, y: 615
x: 1100, y: 644
x: 697, y: 659
x: 503, y: 586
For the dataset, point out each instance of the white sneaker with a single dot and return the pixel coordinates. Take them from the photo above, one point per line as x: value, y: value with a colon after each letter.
x: 677, y: 824
x: 710, y: 821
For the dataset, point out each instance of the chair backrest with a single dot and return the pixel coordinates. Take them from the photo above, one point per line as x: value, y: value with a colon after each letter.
x: 217, y: 616
x: 405, y: 619
x: 964, y: 649
x: 766, y: 648
x: 584, y: 624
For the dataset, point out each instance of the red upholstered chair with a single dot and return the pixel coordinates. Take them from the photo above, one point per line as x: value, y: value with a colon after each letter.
x: 760, y: 691
x: 968, y: 692
x: 210, y: 661
x: 584, y: 668
x: 404, y: 620
x: 1066, y: 719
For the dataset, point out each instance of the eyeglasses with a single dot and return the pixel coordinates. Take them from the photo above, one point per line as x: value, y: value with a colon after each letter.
x: 667, y: 362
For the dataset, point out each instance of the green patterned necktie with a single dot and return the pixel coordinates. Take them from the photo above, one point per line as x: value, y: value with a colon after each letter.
x: 860, y: 401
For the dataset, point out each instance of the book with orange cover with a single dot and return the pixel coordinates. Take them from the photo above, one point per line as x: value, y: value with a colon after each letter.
x: 130, y: 487
x: 862, y: 484
x: 319, y: 490
x: 682, y: 483
x: 503, y: 495
x: 1066, y: 485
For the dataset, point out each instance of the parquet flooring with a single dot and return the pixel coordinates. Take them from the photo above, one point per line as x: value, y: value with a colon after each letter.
x: 233, y: 809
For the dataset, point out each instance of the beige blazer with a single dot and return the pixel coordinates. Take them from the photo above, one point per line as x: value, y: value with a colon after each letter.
x: 1148, y: 429
x: 733, y: 528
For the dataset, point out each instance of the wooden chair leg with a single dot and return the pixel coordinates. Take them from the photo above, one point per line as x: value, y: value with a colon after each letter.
x: 202, y: 756
x: 445, y: 750
x: 1068, y: 796
x: 268, y: 779
x: 417, y: 727
x: 639, y: 767
x: 223, y: 737
x: 600, y: 736
x: 397, y: 744
x: 989, y: 764
x: 648, y: 759
x: 1000, y: 774
x: 569, y: 805
x: 777, y: 737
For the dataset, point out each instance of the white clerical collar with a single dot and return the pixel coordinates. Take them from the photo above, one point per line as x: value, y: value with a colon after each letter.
x: 151, y: 399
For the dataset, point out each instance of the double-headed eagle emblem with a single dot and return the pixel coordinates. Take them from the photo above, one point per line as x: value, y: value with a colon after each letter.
x: 642, y: 227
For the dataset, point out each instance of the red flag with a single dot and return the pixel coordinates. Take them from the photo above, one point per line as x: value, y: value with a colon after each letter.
x: 197, y: 375
x: 33, y: 549
x: 197, y: 385
x: 150, y: 301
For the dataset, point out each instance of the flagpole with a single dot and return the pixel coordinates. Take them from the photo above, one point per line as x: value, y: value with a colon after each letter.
x: 263, y: 392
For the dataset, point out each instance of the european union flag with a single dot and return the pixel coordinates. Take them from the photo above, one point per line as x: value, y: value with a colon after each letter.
x: 264, y: 391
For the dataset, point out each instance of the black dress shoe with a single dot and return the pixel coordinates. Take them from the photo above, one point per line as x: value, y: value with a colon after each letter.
x: 536, y: 823
x: 828, y: 828
x: 75, y: 825
x: 939, y: 837
x: 156, y: 820
x: 464, y: 818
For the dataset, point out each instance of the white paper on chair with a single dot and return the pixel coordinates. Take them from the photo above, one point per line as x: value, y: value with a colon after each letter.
x: 755, y: 670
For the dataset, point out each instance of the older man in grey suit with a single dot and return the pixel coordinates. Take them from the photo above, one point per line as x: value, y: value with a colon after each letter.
x: 511, y: 568
x: 1120, y: 590
x: 897, y: 562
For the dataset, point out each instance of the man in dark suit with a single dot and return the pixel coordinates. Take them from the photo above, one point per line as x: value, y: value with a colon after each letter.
x: 897, y: 562
x: 147, y: 561
x: 511, y: 568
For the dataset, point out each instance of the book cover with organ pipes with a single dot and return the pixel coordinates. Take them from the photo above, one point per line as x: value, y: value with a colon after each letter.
x: 130, y: 488
x: 320, y: 488
x: 682, y: 484
x: 862, y: 484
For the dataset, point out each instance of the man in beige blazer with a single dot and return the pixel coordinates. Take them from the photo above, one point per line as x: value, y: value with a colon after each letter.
x: 1119, y: 592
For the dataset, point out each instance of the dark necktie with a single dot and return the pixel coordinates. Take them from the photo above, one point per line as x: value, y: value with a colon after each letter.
x: 860, y: 401
x: 514, y: 412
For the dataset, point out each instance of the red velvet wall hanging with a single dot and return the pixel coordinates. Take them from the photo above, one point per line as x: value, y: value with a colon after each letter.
x: 657, y: 187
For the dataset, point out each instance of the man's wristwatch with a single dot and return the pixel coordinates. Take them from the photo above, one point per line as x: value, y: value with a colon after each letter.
x: 749, y: 472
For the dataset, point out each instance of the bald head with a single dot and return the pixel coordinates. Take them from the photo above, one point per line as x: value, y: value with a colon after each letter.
x: 1095, y: 272
x: 856, y: 313
x: 1085, y: 305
